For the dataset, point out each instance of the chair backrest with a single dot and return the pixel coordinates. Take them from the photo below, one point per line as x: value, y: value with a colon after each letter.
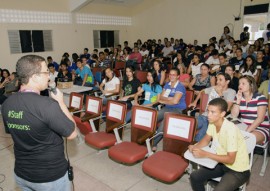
x: 141, y: 75
x: 143, y: 121
x: 96, y: 69
x: 203, y: 102
x: 76, y: 101
x: 251, y: 143
x: 179, y: 131
x: 93, y: 105
x: 120, y: 65
x: 189, y: 97
x: 116, y: 115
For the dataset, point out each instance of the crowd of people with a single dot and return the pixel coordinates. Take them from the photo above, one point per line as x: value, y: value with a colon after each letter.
x: 228, y: 70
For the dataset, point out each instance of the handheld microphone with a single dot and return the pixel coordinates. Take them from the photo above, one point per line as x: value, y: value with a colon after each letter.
x: 52, y: 88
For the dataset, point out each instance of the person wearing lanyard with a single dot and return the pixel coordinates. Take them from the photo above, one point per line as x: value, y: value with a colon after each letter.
x: 173, y: 97
x: 37, y: 125
x: 230, y: 151
x: 252, y: 107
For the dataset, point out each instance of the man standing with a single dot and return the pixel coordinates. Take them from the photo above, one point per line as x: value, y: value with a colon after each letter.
x: 37, y: 124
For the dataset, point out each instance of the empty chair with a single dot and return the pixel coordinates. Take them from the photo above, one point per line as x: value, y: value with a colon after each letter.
x: 143, y: 124
x: 116, y: 114
x: 75, y: 102
x: 91, y: 115
x: 119, y: 67
x: 169, y: 164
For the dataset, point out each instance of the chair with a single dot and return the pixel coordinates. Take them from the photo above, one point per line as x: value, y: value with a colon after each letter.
x: 169, y: 165
x: 189, y: 97
x: 141, y: 75
x: 119, y: 67
x: 265, y: 159
x: 143, y: 126
x: 250, y: 142
x: 203, y: 102
x: 98, y: 77
x: 116, y: 114
x: 75, y: 102
x: 93, y: 110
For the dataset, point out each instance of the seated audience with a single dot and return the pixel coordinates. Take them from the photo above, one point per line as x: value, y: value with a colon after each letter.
x: 83, y: 75
x: 252, y: 108
x: 110, y: 85
x: 223, y: 90
x: 51, y: 61
x: 195, y: 66
x: 238, y: 60
x: 230, y: 69
x: 173, y: 97
x: 161, y: 75
x: 184, y: 78
x: 10, y: 85
x: 64, y: 74
x: 202, y: 80
x: 52, y: 73
x: 131, y: 85
x: 249, y: 68
x: 4, y: 74
x: 230, y: 152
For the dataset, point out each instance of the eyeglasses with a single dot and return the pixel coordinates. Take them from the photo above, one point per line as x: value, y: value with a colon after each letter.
x: 47, y: 72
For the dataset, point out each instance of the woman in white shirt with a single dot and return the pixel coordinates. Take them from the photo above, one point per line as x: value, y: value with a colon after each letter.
x: 110, y: 85
x: 195, y: 66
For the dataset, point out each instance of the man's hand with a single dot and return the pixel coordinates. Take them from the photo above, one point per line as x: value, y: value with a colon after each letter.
x: 58, y: 96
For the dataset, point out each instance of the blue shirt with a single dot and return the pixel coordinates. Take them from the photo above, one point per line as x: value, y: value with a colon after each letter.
x: 72, y: 67
x: 83, y: 72
x: 149, y: 99
x: 178, y: 88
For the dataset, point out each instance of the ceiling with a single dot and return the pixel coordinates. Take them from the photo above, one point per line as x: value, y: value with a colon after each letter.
x: 126, y: 3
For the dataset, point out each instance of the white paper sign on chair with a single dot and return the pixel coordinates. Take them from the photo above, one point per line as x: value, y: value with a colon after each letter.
x: 143, y: 118
x: 75, y: 102
x: 116, y: 111
x: 178, y: 127
x: 93, y: 106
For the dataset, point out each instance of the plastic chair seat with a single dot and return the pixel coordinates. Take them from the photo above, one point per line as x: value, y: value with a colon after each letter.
x: 100, y: 140
x: 84, y: 127
x: 127, y: 152
x: 165, y: 166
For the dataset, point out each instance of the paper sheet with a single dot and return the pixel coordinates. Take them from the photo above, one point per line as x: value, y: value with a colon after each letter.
x: 93, y: 106
x: 115, y: 111
x: 75, y: 102
x: 178, y: 127
x: 143, y: 118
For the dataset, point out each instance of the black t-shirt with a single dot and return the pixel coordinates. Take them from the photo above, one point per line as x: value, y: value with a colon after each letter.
x: 234, y: 84
x: 235, y: 61
x: 263, y: 64
x: 131, y: 87
x: 37, y: 124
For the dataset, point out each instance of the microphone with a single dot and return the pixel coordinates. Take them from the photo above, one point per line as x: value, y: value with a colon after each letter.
x: 52, y: 88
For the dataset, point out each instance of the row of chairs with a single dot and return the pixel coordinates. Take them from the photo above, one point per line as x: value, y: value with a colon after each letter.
x: 143, y: 126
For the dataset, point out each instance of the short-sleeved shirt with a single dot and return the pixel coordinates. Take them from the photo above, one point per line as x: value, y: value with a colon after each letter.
x: 171, y: 91
x: 228, y: 95
x: 230, y: 139
x: 111, y: 85
x: 151, y: 95
x: 196, y: 69
x: 83, y: 72
x: 249, y: 111
x: 37, y: 124
x: 202, y: 84
x: 248, y: 73
x: 264, y: 88
x: 131, y: 87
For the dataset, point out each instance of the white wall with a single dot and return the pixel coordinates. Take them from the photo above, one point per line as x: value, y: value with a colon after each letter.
x: 189, y: 19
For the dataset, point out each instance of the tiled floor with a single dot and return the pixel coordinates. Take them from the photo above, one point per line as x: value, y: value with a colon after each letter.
x: 94, y: 171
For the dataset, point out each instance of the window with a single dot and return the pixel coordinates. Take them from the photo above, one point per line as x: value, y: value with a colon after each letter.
x: 105, y: 39
x: 23, y: 41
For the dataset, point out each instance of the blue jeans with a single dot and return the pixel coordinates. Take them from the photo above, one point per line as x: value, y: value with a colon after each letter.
x: 160, y: 117
x: 202, y: 127
x: 62, y: 184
